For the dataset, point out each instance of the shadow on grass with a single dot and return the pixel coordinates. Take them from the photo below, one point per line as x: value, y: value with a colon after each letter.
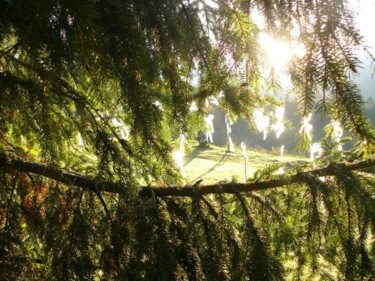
x: 218, y: 164
x: 195, y: 153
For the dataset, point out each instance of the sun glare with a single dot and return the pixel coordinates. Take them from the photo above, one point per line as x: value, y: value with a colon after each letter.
x: 279, y: 53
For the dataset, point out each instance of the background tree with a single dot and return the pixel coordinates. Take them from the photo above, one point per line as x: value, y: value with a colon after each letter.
x: 76, y: 75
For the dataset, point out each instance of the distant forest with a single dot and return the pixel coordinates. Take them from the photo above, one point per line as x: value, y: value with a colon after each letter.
x: 242, y: 131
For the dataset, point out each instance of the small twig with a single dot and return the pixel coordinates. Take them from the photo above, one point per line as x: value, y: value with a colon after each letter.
x: 99, y: 194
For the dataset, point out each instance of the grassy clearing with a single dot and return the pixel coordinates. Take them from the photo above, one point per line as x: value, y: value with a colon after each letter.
x: 214, y: 164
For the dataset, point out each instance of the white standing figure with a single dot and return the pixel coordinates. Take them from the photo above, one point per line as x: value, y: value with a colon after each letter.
x: 103, y: 114
x: 209, y: 128
x: 180, y: 154
x: 306, y: 127
x: 279, y: 113
x: 117, y: 123
x: 193, y: 107
x: 80, y: 141
x: 279, y: 127
x: 315, y: 148
x: 337, y: 133
x: 213, y: 100
x: 262, y: 122
x: 158, y: 104
x: 206, y: 103
x: 281, y: 169
x: 244, y: 154
x: 124, y: 133
x: 122, y: 130
x: 228, y: 123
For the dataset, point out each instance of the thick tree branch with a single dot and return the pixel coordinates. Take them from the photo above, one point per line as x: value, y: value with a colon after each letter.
x: 63, y: 176
x: 90, y: 183
x: 253, y: 186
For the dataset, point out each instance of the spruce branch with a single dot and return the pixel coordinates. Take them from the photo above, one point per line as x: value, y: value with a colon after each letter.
x: 92, y: 184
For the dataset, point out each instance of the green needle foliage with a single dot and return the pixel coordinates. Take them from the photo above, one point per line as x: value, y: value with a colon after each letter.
x: 81, y: 84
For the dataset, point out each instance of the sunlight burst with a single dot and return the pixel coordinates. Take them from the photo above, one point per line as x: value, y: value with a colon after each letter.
x: 279, y: 53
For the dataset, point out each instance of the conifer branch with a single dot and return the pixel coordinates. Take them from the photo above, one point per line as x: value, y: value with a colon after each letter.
x: 61, y: 175
x: 92, y: 184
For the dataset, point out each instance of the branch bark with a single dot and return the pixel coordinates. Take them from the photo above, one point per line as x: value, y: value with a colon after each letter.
x: 92, y: 184
x: 60, y: 175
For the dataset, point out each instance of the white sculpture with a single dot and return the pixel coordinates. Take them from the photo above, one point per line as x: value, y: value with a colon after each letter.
x: 179, y: 155
x: 122, y: 130
x: 209, y: 128
x: 228, y: 123
x: 315, y: 148
x: 279, y: 127
x: 337, y: 133
x: 262, y: 122
x: 244, y: 154
x: 80, y: 141
x: 306, y: 127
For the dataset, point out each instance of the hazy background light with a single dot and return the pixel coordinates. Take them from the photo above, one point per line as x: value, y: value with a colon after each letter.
x: 364, y: 11
x: 279, y: 53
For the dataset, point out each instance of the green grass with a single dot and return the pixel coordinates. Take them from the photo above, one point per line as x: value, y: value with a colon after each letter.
x: 214, y: 164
